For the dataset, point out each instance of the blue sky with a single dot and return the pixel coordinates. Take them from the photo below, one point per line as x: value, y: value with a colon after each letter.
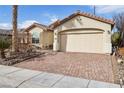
x: 47, y: 14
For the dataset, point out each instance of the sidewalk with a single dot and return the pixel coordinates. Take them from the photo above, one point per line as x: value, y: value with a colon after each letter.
x: 12, y: 77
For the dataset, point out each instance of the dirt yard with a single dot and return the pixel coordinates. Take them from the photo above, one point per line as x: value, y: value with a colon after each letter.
x: 83, y: 65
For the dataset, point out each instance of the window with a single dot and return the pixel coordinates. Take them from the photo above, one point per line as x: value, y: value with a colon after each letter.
x: 35, y: 40
x: 36, y: 37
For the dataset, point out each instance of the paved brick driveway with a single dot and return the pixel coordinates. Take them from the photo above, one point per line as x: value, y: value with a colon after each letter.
x: 89, y: 66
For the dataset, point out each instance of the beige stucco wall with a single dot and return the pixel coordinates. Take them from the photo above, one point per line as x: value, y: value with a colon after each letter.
x: 40, y: 31
x: 46, y: 37
x: 84, y: 23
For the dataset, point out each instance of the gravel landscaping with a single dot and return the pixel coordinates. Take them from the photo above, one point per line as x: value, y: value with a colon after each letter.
x: 18, y: 57
x: 118, y: 67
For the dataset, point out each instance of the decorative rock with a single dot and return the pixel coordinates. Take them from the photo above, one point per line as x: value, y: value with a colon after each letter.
x: 120, y: 61
x: 121, y: 82
x: 19, y: 57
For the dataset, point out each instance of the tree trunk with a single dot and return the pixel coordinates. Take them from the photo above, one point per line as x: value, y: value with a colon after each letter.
x: 15, y: 32
x: 2, y: 54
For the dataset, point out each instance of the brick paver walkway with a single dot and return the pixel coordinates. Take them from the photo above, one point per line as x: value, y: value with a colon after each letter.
x: 89, y: 66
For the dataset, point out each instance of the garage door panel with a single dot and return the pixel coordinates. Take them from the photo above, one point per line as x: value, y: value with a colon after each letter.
x: 91, y: 43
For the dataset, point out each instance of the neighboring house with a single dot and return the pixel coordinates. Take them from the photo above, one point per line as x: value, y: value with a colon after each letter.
x: 5, y: 32
x: 79, y: 32
x: 83, y: 32
x: 41, y: 35
x: 8, y: 33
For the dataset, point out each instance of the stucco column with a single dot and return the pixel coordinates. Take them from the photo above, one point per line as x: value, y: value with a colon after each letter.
x: 55, y: 43
x: 107, y: 42
x: 28, y: 39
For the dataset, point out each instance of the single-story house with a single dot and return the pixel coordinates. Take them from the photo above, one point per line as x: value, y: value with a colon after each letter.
x: 5, y: 32
x: 8, y: 32
x: 79, y: 32
x: 21, y: 36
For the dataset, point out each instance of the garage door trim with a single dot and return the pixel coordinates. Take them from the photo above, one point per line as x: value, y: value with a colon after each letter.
x: 72, y: 34
x: 87, y: 29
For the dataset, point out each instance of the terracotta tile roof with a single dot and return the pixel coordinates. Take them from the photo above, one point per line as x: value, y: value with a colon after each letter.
x: 59, y: 22
x: 37, y: 25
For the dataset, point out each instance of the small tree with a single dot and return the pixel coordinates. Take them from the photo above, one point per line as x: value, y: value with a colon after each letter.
x: 119, y: 25
x: 4, y: 44
x: 116, y: 37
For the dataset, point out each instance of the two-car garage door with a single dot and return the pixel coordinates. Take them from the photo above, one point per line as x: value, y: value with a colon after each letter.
x: 81, y: 42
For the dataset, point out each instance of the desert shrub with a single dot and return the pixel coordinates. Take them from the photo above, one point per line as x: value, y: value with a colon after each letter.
x: 116, y: 39
x: 4, y: 44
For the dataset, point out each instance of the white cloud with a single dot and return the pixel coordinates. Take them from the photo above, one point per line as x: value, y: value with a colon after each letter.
x: 54, y: 18
x: 26, y: 23
x: 20, y: 25
x: 5, y: 26
x: 51, y: 17
x: 109, y: 9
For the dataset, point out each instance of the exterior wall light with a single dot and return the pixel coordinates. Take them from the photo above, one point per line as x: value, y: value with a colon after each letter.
x: 109, y: 32
x: 55, y: 33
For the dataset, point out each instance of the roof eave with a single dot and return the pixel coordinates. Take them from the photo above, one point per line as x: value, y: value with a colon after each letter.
x: 83, y: 14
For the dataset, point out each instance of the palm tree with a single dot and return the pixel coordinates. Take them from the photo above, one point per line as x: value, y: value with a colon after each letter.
x: 15, y: 32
